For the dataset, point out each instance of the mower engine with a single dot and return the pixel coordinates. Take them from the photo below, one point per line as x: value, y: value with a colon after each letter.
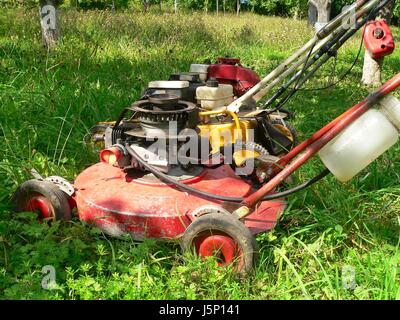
x: 230, y: 71
x: 191, y: 107
x: 154, y: 128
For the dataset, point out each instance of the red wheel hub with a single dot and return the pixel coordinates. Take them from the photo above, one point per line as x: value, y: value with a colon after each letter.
x: 39, y: 203
x: 222, y: 246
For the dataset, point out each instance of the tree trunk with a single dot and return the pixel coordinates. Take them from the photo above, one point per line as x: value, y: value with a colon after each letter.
x: 312, y: 14
x: 175, y: 6
x: 146, y: 5
x: 323, y: 8
x: 372, y: 69
x: 49, y: 22
x: 237, y: 7
x: 217, y: 4
x: 224, y: 6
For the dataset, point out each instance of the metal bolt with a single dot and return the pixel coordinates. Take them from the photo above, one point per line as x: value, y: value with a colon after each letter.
x: 378, y: 33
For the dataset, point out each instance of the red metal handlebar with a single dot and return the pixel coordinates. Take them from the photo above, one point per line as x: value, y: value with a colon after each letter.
x: 312, y: 145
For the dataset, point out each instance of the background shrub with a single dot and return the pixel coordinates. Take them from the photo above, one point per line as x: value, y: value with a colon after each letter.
x: 291, y: 8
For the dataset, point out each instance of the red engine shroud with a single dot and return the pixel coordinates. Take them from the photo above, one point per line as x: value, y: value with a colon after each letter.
x: 378, y: 39
x: 230, y: 71
x: 116, y: 203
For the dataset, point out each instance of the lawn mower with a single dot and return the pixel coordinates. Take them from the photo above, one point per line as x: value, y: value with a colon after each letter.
x: 230, y: 97
x: 154, y: 179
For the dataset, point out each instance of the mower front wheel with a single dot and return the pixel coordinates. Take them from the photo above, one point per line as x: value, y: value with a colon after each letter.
x: 42, y: 197
x: 224, y: 237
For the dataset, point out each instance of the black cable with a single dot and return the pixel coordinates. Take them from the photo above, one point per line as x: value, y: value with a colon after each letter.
x: 371, y: 14
x: 344, y: 75
x: 167, y: 179
x: 326, y: 50
x: 293, y: 91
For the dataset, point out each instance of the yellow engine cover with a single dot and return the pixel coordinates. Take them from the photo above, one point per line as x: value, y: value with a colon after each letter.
x: 224, y: 133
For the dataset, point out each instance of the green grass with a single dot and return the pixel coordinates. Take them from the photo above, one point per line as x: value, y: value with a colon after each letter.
x: 48, y: 102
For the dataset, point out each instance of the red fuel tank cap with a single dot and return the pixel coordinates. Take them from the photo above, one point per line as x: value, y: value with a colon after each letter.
x: 378, y: 39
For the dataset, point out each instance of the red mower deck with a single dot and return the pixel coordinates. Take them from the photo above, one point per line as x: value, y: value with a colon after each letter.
x: 108, y: 198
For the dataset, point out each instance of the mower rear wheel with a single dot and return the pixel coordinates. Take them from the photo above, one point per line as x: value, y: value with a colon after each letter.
x: 223, y: 236
x: 42, y: 197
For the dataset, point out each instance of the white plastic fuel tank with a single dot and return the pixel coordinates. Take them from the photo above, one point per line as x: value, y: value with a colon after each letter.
x: 201, y: 69
x: 214, y: 96
x: 363, y: 141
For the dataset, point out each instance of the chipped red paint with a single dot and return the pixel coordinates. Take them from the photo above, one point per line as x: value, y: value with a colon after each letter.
x: 116, y: 203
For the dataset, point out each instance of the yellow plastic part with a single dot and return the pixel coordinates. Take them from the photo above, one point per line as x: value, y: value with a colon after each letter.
x: 240, y: 157
x: 284, y: 131
x: 227, y: 132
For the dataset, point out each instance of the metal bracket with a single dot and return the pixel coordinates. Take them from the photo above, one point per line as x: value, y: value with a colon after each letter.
x: 206, y: 209
x: 62, y: 184
x: 36, y: 175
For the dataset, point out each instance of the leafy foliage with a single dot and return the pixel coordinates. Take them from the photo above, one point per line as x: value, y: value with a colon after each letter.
x: 291, y: 8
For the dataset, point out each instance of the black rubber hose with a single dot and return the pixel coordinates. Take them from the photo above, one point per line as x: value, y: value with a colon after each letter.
x: 167, y: 179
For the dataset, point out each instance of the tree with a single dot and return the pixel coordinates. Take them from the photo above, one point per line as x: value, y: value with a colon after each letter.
x: 312, y: 14
x: 372, y: 70
x: 324, y: 10
x: 49, y: 21
x: 146, y: 5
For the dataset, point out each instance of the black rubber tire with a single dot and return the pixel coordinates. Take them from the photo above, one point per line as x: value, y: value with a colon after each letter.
x: 290, y: 128
x: 225, y: 224
x: 57, y: 198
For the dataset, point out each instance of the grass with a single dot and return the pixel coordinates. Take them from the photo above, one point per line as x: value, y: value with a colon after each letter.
x: 48, y: 102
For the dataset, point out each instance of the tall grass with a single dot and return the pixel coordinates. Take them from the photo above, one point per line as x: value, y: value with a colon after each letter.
x: 49, y: 101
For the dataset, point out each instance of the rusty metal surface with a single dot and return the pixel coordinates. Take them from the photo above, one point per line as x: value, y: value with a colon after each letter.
x: 118, y: 204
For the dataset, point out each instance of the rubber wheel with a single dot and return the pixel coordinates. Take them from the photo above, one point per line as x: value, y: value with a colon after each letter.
x: 42, y: 197
x: 288, y: 130
x: 223, y: 236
